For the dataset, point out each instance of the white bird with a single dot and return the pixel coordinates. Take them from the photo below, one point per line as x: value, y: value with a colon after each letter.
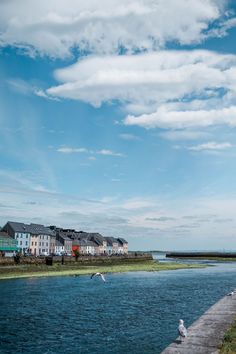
x: 98, y: 274
x: 231, y: 293
x: 182, y: 330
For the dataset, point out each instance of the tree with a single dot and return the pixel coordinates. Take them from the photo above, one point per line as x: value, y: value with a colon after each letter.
x: 76, y: 252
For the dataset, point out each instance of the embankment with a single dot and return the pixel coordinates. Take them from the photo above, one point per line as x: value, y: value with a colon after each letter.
x: 87, y: 265
x: 206, y: 334
x: 90, y: 260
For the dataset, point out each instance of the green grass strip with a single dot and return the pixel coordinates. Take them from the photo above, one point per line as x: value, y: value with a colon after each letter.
x: 229, y: 342
x: 23, y: 271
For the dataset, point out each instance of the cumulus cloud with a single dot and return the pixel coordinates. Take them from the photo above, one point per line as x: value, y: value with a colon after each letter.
x: 163, y: 118
x: 211, y: 146
x: 146, y: 79
x: 186, y: 89
x: 56, y: 28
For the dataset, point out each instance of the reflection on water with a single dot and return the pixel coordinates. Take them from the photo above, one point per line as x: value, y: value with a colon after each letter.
x: 130, y: 313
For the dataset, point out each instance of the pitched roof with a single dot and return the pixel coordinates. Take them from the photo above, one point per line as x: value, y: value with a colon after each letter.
x: 111, y: 240
x: 34, y: 229
x: 64, y: 236
x: 84, y: 243
x: 37, y: 229
x: 122, y: 240
x: 18, y: 226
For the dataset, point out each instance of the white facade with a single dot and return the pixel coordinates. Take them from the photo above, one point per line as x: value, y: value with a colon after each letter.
x: 87, y: 249
x: 44, y: 244
x: 59, y: 249
x: 23, y: 241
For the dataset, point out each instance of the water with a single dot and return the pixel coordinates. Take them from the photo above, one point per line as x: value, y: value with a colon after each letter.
x: 131, y: 313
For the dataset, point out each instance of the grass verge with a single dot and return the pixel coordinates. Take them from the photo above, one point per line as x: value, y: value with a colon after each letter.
x: 229, y: 342
x: 23, y: 271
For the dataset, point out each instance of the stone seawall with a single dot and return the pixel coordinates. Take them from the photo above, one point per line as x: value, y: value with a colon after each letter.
x: 206, y: 334
x: 81, y: 260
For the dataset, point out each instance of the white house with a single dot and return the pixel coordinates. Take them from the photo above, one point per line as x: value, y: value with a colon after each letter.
x: 59, y: 248
x: 20, y: 233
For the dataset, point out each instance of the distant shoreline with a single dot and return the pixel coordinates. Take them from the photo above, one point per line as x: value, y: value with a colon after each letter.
x: 28, y: 271
x: 216, y: 256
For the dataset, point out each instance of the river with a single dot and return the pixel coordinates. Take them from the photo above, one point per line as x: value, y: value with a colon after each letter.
x: 133, y: 313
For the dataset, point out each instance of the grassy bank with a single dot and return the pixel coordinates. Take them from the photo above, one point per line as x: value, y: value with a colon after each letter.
x: 229, y: 343
x: 23, y: 271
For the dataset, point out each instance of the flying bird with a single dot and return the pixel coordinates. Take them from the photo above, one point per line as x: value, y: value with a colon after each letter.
x: 182, y: 330
x: 98, y: 275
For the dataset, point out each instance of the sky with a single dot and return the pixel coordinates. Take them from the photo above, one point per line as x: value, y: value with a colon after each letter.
x: 119, y: 117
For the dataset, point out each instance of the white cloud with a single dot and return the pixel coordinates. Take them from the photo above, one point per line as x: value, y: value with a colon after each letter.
x: 55, y: 28
x: 222, y: 29
x: 163, y: 118
x: 108, y: 153
x: 184, y: 135
x: 146, y: 79
x: 41, y: 93
x: 185, y: 89
x: 70, y: 150
x: 211, y: 146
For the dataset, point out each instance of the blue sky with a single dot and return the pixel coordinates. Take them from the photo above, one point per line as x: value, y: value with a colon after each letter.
x: 121, y: 118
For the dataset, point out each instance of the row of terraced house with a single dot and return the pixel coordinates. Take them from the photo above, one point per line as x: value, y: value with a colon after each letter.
x: 39, y: 240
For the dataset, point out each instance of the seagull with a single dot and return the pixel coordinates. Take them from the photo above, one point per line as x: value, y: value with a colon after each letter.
x: 182, y: 330
x: 98, y: 274
x: 231, y: 293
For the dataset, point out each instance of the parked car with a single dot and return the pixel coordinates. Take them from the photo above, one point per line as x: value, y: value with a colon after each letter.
x: 44, y: 254
x: 28, y: 254
x: 57, y: 254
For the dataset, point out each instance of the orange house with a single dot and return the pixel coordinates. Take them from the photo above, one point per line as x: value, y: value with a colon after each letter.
x: 75, y: 247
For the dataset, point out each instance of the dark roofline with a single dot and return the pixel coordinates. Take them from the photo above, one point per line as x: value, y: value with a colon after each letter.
x: 122, y: 240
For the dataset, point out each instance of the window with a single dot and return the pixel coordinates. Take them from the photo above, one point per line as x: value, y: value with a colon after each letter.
x: 26, y: 235
x: 26, y: 243
x: 21, y: 243
x: 39, y: 243
x: 42, y: 243
x: 35, y: 243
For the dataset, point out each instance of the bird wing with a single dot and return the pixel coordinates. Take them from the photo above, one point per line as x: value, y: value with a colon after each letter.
x: 103, y: 278
x: 92, y: 275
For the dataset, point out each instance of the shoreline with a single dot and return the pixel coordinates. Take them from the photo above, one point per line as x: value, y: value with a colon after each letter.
x: 26, y: 271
